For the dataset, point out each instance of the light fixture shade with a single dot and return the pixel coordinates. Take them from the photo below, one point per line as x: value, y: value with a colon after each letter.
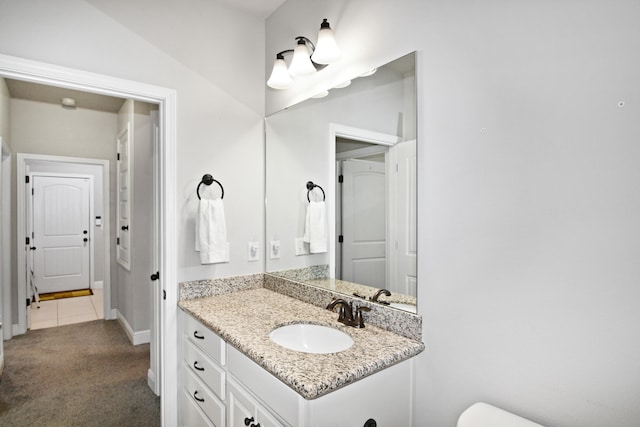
x: 280, y: 78
x: 301, y: 62
x: 327, y: 51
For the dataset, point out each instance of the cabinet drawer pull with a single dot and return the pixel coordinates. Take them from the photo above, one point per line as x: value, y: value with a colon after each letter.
x: 198, y: 368
x: 195, y: 334
x: 195, y: 396
x: 248, y: 421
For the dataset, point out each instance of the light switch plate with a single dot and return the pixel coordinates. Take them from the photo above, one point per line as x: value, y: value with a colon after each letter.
x: 302, y: 247
x: 253, y: 251
x: 275, y: 249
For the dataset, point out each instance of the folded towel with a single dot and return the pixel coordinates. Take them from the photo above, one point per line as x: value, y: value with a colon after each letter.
x: 211, y: 232
x: 315, y: 227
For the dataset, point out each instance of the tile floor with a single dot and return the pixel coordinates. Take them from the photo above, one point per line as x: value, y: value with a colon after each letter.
x: 67, y: 311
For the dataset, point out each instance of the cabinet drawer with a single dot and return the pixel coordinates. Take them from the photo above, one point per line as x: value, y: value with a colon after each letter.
x: 192, y: 415
x: 204, y: 398
x: 204, y: 368
x: 204, y: 338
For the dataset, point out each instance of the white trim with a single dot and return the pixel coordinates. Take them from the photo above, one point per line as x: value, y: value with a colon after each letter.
x: 38, y: 72
x: 5, y: 249
x: 98, y: 284
x: 136, y: 338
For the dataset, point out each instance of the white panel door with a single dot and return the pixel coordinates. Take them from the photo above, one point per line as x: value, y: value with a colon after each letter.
x: 406, y: 191
x: 364, y: 222
x: 61, y: 233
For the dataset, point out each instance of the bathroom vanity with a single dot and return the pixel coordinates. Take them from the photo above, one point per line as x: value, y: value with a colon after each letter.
x: 233, y: 374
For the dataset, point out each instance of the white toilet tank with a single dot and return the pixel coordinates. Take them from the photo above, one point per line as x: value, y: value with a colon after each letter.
x: 484, y: 415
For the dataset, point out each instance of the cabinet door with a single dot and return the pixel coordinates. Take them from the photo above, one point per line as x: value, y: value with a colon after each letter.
x: 243, y: 410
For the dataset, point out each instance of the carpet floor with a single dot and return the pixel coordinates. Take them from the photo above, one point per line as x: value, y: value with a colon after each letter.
x: 87, y: 374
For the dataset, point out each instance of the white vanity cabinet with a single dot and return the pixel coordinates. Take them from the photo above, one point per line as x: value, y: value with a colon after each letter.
x: 244, y: 410
x: 252, y: 397
x: 203, y: 377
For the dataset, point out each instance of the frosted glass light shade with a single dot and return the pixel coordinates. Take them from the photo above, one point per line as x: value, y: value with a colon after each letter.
x: 327, y: 51
x: 280, y: 78
x: 301, y: 62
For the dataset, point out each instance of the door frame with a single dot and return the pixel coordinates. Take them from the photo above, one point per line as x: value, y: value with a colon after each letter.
x: 5, y: 232
x: 54, y: 75
x: 29, y: 225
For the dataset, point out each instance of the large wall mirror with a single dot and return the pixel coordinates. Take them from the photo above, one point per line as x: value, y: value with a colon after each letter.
x: 344, y: 166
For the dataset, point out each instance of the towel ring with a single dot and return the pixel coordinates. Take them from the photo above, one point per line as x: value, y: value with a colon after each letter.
x: 311, y: 186
x: 207, y: 179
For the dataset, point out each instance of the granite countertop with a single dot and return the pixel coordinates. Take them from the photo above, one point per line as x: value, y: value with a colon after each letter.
x: 244, y: 320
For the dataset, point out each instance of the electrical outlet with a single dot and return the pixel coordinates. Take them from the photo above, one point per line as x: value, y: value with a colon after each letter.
x: 275, y: 249
x: 302, y: 247
x: 253, y: 251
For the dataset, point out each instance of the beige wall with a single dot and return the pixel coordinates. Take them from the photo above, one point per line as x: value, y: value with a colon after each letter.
x: 528, y: 201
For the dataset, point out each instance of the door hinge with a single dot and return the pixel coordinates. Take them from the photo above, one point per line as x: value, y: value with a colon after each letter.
x: 340, y: 238
x: 32, y: 192
x: 117, y: 240
x: 164, y: 294
x: 118, y: 156
x: 27, y: 241
x: 26, y: 179
x: 340, y: 179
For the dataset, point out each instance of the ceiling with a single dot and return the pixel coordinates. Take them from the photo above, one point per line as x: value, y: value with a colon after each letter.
x: 19, y: 89
x: 260, y: 8
x: 53, y: 95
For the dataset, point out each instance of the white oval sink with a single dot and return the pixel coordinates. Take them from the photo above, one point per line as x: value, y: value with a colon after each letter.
x: 309, y: 338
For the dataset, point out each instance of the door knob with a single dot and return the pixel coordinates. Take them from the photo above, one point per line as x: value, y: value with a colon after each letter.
x: 85, y: 240
x: 125, y: 227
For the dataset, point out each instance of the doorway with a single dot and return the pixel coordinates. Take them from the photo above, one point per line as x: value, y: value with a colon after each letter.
x: 162, y: 376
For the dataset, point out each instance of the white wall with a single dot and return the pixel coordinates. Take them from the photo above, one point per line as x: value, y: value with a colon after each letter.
x: 220, y: 119
x: 528, y: 201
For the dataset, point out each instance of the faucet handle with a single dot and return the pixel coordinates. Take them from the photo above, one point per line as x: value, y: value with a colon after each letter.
x: 359, y: 320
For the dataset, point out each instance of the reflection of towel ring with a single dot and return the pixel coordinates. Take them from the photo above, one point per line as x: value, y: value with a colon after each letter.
x: 208, y: 180
x: 311, y: 186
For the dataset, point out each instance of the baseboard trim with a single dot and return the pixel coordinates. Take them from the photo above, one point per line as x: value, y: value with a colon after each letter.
x: 151, y: 382
x: 136, y: 338
x: 98, y: 285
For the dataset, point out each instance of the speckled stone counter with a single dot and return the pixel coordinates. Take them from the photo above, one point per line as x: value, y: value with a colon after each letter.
x: 245, y: 318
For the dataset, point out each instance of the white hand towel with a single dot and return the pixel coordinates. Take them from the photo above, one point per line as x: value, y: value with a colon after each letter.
x: 211, y: 232
x: 315, y: 228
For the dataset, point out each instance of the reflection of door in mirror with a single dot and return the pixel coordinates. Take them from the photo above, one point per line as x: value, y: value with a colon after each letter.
x: 404, y: 208
x: 361, y: 222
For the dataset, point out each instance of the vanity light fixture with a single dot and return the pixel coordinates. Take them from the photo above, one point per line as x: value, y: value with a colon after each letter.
x: 68, y: 102
x: 306, y: 60
x: 342, y: 85
x: 321, y: 94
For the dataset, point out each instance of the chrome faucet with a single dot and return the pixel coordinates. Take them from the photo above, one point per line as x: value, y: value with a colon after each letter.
x: 346, y: 314
x: 375, y: 297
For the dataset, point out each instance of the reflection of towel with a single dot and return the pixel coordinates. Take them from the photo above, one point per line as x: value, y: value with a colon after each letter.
x: 315, y: 227
x: 211, y: 232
